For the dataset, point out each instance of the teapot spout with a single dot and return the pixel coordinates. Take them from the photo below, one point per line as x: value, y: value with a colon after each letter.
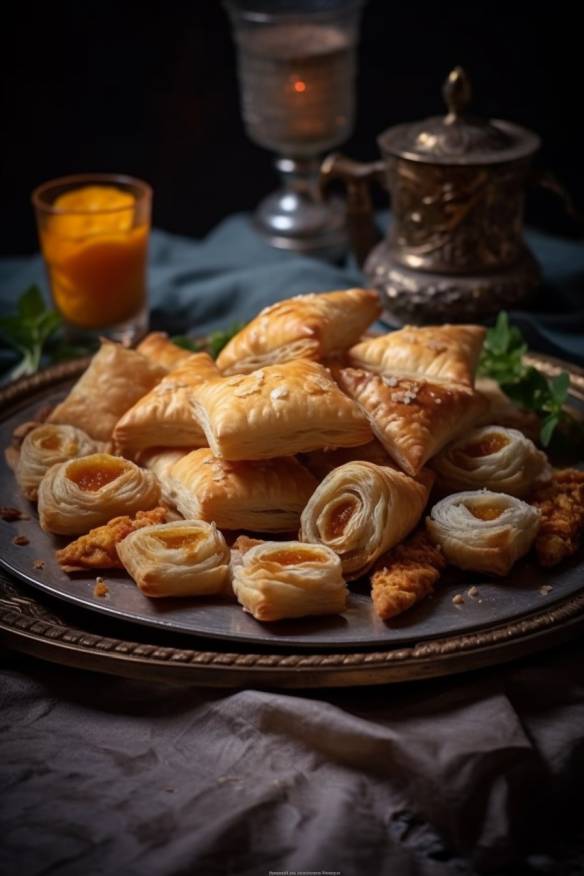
x: 356, y: 177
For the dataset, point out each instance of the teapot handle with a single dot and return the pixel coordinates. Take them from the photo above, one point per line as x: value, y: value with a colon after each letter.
x: 547, y: 180
x: 356, y: 177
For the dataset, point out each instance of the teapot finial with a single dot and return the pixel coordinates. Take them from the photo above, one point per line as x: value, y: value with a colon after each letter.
x: 457, y: 94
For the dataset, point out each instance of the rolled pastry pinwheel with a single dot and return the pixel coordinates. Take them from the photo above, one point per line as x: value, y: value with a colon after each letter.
x: 481, y: 531
x: 285, y: 579
x: 361, y: 510
x: 186, y: 558
x: 44, y: 447
x: 493, y: 457
x: 78, y: 495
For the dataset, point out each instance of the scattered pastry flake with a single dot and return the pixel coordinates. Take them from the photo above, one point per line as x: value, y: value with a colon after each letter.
x: 405, y: 575
x: 20, y: 540
x: 561, y: 505
x: 545, y: 589
x: 38, y: 564
x: 473, y: 592
x: 458, y: 599
x: 101, y: 589
x: 11, y: 514
x: 279, y: 392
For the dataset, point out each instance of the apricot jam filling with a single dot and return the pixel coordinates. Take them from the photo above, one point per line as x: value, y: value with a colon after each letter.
x: 339, y: 517
x: 50, y: 442
x: 486, y: 446
x: 485, y: 512
x: 293, y: 557
x: 91, y: 473
x: 178, y: 539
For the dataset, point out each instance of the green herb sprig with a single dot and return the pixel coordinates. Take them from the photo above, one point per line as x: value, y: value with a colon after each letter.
x: 214, y: 342
x: 29, y: 329
x: 502, y: 359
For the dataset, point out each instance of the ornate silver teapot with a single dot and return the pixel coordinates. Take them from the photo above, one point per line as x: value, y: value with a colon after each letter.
x: 455, y: 250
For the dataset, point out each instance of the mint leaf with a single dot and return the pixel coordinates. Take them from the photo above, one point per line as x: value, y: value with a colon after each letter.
x: 218, y: 340
x: 187, y: 343
x: 31, y: 304
x: 548, y: 427
x: 29, y: 329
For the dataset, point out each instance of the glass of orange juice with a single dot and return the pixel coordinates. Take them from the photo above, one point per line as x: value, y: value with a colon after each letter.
x: 93, y: 231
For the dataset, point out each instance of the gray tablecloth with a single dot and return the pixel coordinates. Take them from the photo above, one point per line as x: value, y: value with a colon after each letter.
x: 476, y: 773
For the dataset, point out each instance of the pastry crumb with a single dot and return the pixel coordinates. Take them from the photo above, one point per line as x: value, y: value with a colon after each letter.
x: 458, y: 599
x: 38, y: 564
x: 20, y: 540
x: 545, y: 589
x: 101, y: 588
x: 11, y: 514
x: 473, y: 592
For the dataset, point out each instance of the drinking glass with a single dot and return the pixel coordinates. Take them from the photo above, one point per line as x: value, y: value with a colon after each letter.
x: 296, y: 62
x: 93, y: 231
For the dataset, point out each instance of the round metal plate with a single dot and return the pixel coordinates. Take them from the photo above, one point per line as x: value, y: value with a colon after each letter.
x: 498, y: 603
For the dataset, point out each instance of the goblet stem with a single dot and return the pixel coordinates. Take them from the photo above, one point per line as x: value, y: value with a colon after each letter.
x: 295, y: 217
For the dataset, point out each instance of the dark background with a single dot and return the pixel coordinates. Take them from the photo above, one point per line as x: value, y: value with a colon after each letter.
x: 151, y: 90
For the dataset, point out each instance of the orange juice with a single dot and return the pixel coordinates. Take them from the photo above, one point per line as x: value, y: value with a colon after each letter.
x: 94, y: 241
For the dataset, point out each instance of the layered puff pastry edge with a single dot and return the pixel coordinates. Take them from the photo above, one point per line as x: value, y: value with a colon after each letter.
x: 80, y: 494
x: 45, y: 446
x: 413, y: 419
x: 287, y: 579
x: 361, y: 510
x: 482, y: 531
x: 279, y: 410
x: 313, y: 326
x: 260, y: 496
x: 446, y: 353
x: 182, y: 558
x: 114, y: 380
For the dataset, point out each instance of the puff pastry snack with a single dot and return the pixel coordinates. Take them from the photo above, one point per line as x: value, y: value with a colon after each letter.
x: 306, y: 327
x: 279, y: 410
x: 45, y: 446
x: 186, y: 558
x: 413, y: 419
x: 285, y: 579
x: 406, y: 575
x: 502, y: 411
x: 78, y: 495
x: 498, y: 459
x: 158, y: 347
x: 166, y: 416
x: 361, y: 510
x: 97, y: 548
x: 160, y: 461
x: 114, y: 380
x: 561, y: 505
x: 265, y: 496
x: 447, y: 353
x: 481, y: 531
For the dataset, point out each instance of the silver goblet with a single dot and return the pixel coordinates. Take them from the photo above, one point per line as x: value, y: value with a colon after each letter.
x: 297, y: 65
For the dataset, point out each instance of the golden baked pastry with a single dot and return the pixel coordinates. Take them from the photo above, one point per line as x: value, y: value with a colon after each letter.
x: 166, y: 416
x: 114, y: 380
x: 186, y: 558
x: 77, y: 495
x: 360, y: 510
x: 481, y: 531
x: 158, y: 347
x: 279, y: 410
x: 494, y: 458
x: 160, y: 461
x: 501, y: 411
x: 413, y: 419
x: 264, y: 496
x: 448, y: 353
x: 306, y: 327
x: 405, y: 575
x: 46, y: 445
x: 97, y: 549
x: 274, y: 580
x: 561, y: 506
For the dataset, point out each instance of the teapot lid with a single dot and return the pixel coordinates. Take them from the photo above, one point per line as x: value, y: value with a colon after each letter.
x: 459, y: 137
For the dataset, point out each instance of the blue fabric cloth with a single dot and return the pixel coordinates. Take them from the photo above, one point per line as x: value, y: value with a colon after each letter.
x: 198, y: 286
